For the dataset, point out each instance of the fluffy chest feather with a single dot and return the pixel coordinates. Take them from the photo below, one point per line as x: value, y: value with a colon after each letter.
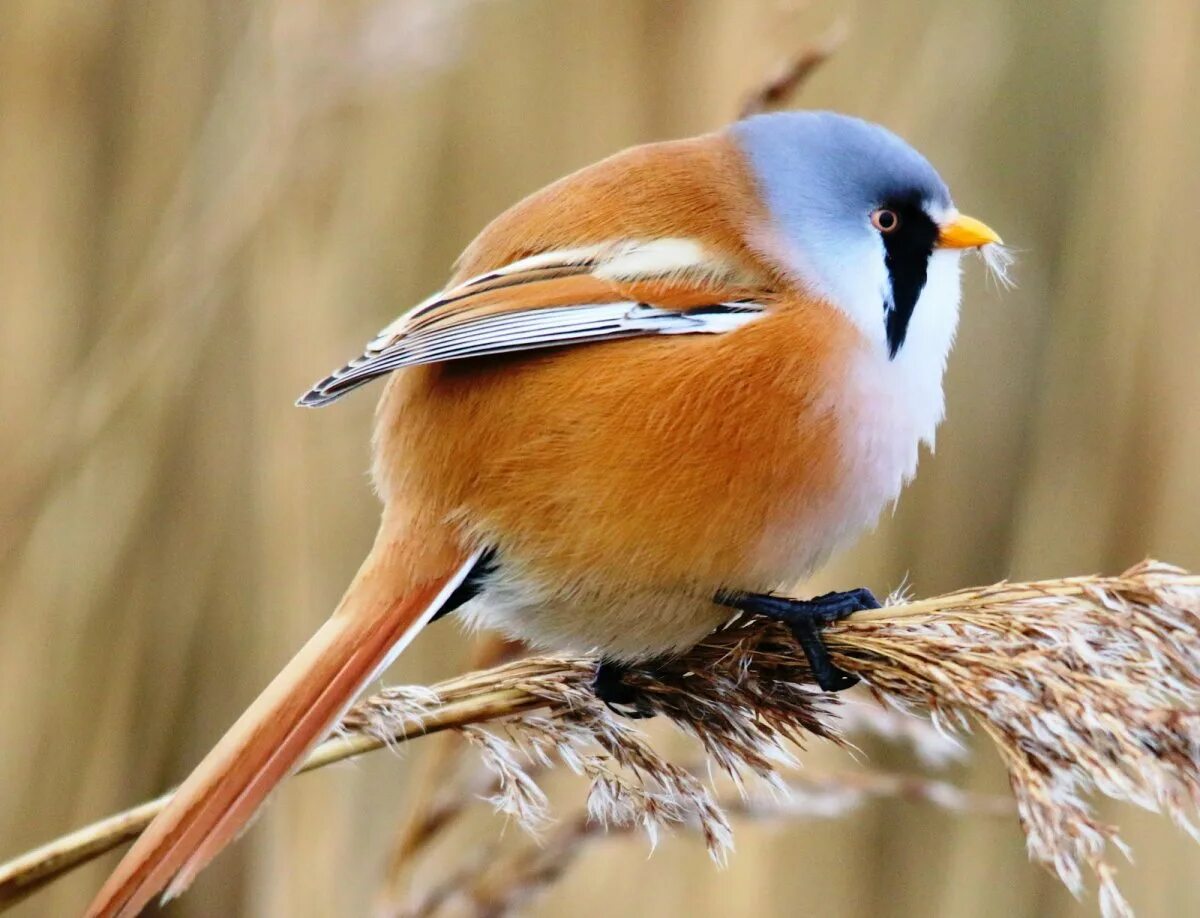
x: 890, y: 406
x: 885, y: 409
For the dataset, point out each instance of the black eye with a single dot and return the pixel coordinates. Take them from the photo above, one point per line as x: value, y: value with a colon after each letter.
x: 884, y: 220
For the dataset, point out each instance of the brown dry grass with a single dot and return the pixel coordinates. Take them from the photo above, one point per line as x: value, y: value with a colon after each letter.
x: 1088, y: 686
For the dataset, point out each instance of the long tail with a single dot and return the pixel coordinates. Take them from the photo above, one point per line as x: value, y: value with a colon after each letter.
x: 268, y: 742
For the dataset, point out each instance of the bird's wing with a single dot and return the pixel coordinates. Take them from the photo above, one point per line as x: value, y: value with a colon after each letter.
x: 556, y: 298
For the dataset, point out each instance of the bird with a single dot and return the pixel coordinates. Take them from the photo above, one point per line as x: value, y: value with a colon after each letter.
x: 652, y: 395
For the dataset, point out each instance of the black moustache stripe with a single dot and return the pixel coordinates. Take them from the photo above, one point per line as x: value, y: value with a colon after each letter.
x: 908, y: 249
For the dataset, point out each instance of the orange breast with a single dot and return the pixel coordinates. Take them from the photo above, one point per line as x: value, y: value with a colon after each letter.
x: 664, y: 460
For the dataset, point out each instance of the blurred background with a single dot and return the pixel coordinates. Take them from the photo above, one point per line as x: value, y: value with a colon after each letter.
x: 206, y: 206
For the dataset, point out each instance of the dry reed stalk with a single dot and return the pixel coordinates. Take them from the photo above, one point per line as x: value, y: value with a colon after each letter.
x: 316, y: 69
x: 474, y: 698
x: 776, y: 90
x: 1087, y: 685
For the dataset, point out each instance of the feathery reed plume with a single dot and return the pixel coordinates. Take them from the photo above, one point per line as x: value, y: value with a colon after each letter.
x: 440, y: 793
x: 1087, y: 685
x: 490, y: 889
x: 501, y: 883
x: 863, y: 716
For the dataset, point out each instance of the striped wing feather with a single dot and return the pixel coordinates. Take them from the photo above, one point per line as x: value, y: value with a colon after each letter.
x: 554, y: 299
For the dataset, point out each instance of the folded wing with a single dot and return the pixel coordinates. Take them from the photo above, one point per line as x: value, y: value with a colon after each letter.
x: 558, y: 298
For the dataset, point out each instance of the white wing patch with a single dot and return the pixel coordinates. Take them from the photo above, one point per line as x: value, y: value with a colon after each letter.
x: 407, y: 343
x: 661, y: 258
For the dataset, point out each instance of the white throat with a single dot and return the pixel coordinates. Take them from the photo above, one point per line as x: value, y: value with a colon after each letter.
x: 855, y: 280
x: 921, y: 361
x: 914, y: 376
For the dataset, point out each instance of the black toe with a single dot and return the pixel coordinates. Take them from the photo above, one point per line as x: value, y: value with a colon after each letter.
x: 805, y: 618
x: 610, y: 687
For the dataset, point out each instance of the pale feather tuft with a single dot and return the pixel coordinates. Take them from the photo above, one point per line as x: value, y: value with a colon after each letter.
x: 999, y: 260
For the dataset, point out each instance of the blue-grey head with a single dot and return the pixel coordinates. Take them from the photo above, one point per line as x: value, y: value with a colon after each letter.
x: 864, y: 221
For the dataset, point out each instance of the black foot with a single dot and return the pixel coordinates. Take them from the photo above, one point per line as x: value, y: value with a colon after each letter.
x: 611, y: 688
x: 806, y: 618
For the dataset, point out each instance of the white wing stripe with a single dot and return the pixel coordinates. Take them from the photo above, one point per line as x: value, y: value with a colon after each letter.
x: 492, y: 335
x: 544, y: 340
x: 570, y: 324
x: 578, y: 256
x: 553, y: 317
x: 558, y: 319
x: 656, y: 259
x: 542, y: 328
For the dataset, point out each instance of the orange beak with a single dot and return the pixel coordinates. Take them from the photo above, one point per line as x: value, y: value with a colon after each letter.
x: 966, y: 233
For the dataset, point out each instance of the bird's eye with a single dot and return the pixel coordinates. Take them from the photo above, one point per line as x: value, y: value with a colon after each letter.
x: 885, y: 220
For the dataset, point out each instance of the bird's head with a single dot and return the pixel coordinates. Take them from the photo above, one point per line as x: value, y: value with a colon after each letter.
x: 864, y: 221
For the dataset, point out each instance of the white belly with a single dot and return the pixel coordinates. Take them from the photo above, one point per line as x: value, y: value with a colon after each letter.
x: 627, y: 626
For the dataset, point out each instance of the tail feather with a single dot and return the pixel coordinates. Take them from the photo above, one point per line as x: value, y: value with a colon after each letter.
x: 270, y: 740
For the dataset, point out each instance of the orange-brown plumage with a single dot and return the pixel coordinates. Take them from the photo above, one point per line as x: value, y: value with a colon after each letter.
x: 698, y: 187
x: 605, y: 442
x: 665, y: 501
x: 654, y: 381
